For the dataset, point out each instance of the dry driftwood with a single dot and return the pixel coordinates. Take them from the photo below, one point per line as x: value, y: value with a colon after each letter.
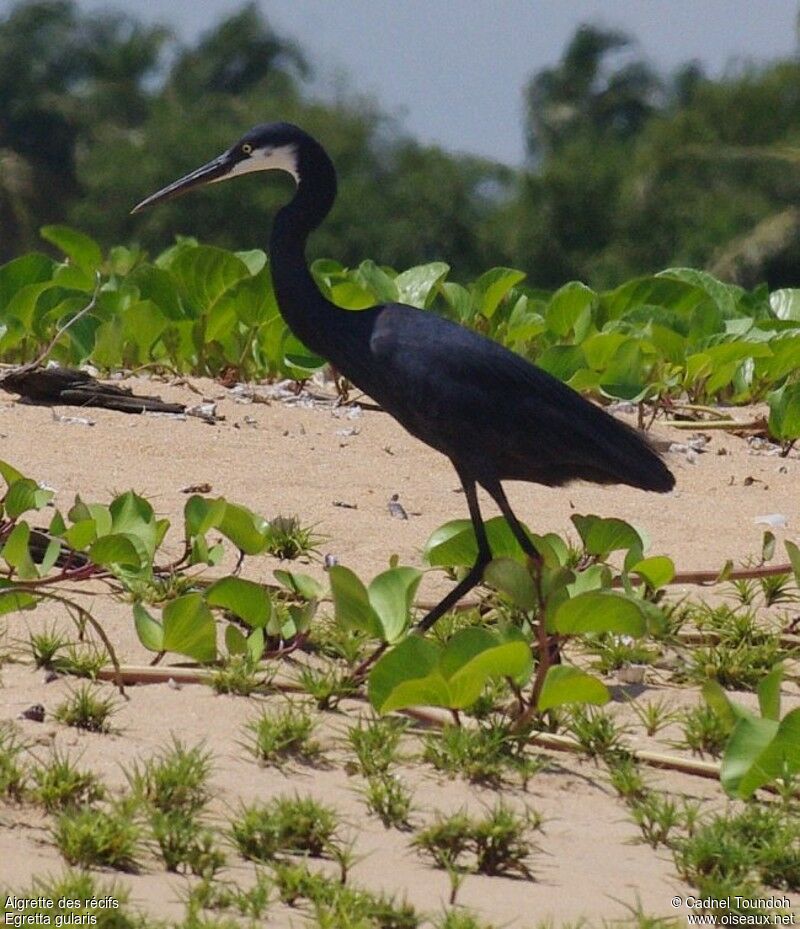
x: 77, y: 388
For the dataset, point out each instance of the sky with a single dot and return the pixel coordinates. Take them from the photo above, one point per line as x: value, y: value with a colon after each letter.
x: 453, y: 71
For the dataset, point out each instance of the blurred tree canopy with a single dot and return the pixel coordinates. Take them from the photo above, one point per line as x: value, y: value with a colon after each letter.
x: 629, y: 171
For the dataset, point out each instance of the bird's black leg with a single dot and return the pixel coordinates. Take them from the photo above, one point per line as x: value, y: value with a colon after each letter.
x: 475, y: 575
x: 548, y: 645
x: 497, y: 493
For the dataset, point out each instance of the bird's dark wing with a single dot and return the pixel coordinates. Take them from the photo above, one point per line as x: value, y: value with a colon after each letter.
x: 493, y: 413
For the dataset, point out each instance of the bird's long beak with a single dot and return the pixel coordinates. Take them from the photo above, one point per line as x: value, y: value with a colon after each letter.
x: 215, y: 170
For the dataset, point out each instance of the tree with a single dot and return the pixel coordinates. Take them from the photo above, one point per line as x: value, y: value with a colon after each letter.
x: 582, y: 95
x: 59, y: 73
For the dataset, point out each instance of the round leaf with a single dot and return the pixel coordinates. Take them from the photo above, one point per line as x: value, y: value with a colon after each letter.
x: 246, y: 599
x: 598, y: 612
x: 564, y: 684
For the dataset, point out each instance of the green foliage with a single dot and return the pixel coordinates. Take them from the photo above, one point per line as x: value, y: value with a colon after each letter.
x: 730, y: 848
x: 175, y: 780
x: 121, y: 542
x: 675, y: 336
x: 419, y: 671
x: 569, y: 594
x: 376, y: 743
x: 597, y: 733
x: 496, y: 845
x: 100, y: 838
x: 293, y: 825
x: 336, y: 904
x: 657, y: 816
x: 59, y: 784
x: 784, y: 414
x: 382, y: 610
x: 86, y: 708
x: 762, y: 749
x: 285, y: 735
x: 13, y: 776
x: 487, y: 754
x: 389, y: 799
x: 705, y: 731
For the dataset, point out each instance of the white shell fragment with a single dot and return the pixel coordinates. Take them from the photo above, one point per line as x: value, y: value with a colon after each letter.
x: 773, y: 520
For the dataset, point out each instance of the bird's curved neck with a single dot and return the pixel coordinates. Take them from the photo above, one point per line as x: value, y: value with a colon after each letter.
x: 301, y: 304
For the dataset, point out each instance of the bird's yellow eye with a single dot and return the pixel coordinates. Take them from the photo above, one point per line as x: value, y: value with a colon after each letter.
x: 247, y: 148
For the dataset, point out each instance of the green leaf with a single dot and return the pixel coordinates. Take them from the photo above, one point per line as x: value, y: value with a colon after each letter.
x: 570, y: 308
x: 244, y: 528
x: 562, y: 361
x: 376, y: 280
x: 250, y: 301
x: 784, y: 412
x: 13, y: 600
x: 10, y: 474
x: 204, y: 273
x: 149, y: 630
x: 255, y: 259
x: 408, y: 676
x: 418, y: 672
x: 302, y: 585
x: 749, y: 740
x: 391, y: 595
x: 417, y: 286
x: 50, y: 556
x: 143, y: 324
x: 473, y: 656
x: 602, y: 536
x: 299, y: 358
x: 769, y: 693
x: 564, y: 684
x: 255, y: 644
x: 459, y: 299
x: 600, y: 611
x: 718, y: 700
x: 786, y: 303
x: 453, y: 545
x: 81, y: 534
x: 779, y: 759
x: 350, y: 295
x: 514, y: 580
x: 116, y: 549
x: 235, y: 640
x: 656, y: 572
x: 17, y: 554
x: 594, y: 577
x: 133, y: 516
x: 78, y: 247
x: 662, y: 292
x: 351, y: 602
x: 189, y: 628
x: 159, y: 287
x: 793, y: 552
x: 493, y: 285
x: 725, y: 296
x: 33, y: 268
x: 201, y: 515
x: 25, y: 494
x: 246, y: 599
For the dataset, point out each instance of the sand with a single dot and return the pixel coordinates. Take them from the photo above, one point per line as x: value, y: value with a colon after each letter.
x: 286, y: 459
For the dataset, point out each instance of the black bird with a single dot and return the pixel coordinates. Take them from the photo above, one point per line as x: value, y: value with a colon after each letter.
x: 496, y: 416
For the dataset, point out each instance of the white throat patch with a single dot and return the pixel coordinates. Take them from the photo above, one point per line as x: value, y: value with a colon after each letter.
x: 283, y: 158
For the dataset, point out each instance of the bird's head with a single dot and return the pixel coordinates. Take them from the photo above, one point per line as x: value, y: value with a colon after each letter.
x: 271, y: 146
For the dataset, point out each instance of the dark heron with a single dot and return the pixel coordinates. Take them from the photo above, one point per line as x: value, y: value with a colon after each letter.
x: 496, y: 416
